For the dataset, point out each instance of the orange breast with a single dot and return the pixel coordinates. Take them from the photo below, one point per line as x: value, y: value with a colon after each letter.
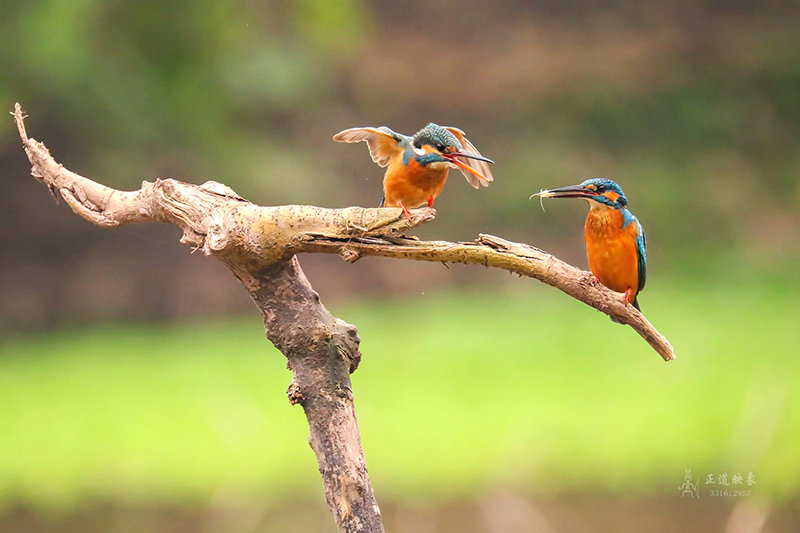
x: 611, y: 250
x: 411, y: 184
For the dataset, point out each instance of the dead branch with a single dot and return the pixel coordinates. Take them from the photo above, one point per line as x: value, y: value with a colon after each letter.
x: 258, y: 244
x: 491, y: 251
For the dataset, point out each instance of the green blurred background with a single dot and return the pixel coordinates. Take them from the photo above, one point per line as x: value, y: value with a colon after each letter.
x: 137, y: 389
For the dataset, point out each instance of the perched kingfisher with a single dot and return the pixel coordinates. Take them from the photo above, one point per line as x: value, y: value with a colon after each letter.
x: 615, y: 241
x: 416, y: 167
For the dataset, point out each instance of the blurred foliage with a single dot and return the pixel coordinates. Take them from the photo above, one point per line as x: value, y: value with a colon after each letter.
x: 691, y: 106
x: 196, y: 414
x: 186, y: 82
x: 250, y: 92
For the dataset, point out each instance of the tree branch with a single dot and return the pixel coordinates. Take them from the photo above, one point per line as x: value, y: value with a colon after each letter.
x: 258, y: 244
x: 491, y: 251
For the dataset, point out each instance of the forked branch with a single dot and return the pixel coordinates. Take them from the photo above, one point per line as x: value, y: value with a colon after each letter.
x: 258, y: 244
x: 214, y: 217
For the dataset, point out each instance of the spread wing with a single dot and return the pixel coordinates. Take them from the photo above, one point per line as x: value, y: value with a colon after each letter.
x: 383, y: 143
x: 474, y: 164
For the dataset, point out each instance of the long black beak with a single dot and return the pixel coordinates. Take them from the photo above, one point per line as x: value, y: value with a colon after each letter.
x: 453, y: 158
x: 471, y: 155
x: 570, y: 191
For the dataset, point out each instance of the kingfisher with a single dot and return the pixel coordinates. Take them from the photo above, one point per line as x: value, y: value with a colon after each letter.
x: 615, y: 241
x: 417, y: 166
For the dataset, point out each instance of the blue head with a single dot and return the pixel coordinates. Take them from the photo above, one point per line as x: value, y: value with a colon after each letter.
x: 440, y: 139
x: 601, y: 190
x: 435, y: 144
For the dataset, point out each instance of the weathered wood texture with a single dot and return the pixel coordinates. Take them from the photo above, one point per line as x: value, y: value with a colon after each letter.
x: 258, y: 244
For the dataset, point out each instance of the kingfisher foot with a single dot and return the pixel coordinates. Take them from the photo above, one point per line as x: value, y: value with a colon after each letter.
x: 406, y: 212
x: 595, y: 279
x: 430, y: 201
x: 628, y: 296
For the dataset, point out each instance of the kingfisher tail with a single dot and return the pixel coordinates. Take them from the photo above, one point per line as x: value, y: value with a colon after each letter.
x: 634, y: 303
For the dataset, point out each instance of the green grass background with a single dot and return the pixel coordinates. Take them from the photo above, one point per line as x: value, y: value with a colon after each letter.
x: 519, y: 387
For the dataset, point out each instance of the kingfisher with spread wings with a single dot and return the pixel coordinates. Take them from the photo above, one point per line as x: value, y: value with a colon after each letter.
x: 417, y: 167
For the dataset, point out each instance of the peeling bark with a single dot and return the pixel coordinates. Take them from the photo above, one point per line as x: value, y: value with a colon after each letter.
x: 322, y: 351
x: 256, y: 244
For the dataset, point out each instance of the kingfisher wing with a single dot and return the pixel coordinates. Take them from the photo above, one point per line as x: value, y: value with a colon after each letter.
x: 383, y: 143
x: 641, y: 242
x: 479, y: 166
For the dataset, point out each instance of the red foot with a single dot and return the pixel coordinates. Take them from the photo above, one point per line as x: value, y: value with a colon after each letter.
x: 430, y: 201
x: 595, y: 279
x: 406, y: 212
x: 628, y: 295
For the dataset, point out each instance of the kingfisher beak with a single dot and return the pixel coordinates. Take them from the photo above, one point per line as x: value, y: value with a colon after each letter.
x: 472, y: 155
x: 571, y: 191
x: 453, y: 158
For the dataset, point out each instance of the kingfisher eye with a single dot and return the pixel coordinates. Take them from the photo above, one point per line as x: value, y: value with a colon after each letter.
x: 601, y: 188
x: 440, y: 147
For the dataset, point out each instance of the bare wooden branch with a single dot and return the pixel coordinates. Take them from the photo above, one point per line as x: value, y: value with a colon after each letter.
x: 258, y: 244
x: 492, y: 251
x: 322, y: 351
